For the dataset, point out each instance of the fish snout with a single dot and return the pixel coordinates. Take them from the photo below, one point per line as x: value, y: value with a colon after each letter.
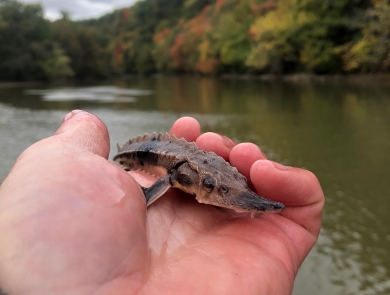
x: 250, y: 201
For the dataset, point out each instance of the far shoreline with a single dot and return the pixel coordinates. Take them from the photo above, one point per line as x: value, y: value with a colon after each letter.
x: 299, y: 78
x: 302, y: 78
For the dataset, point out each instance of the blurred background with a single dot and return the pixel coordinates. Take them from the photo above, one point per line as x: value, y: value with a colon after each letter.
x: 306, y: 80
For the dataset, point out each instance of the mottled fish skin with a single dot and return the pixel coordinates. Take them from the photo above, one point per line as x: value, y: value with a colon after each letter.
x: 181, y: 164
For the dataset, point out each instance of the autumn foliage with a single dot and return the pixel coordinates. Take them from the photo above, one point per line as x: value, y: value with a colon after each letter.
x: 198, y: 36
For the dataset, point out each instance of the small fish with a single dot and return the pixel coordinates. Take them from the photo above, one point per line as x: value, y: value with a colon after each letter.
x: 181, y: 164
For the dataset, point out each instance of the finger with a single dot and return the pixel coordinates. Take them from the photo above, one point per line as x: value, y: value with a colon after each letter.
x: 187, y: 128
x: 219, y: 144
x: 243, y: 155
x: 297, y: 188
x: 85, y: 132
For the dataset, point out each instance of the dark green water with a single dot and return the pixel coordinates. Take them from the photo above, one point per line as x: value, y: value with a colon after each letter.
x: 340, y: 132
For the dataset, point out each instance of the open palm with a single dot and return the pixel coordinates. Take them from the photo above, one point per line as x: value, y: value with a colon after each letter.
x: 74, y: 223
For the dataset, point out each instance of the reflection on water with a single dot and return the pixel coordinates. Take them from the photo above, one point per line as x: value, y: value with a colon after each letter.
x: 340, y: 132
x: 95, y: 94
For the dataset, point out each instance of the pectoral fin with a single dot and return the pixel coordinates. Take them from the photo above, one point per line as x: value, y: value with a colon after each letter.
x: 157, y: 189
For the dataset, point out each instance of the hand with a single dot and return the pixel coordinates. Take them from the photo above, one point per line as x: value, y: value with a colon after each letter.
x: 71, y: 222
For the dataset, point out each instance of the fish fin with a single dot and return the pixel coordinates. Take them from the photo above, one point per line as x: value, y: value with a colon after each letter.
x: 154, y: 192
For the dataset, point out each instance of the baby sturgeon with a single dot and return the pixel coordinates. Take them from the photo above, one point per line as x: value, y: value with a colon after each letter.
x: 181, y: 164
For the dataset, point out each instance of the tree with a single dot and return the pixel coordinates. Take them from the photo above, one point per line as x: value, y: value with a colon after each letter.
x: 23, y: 37
x: 83, y: 46
x: 230, y: 41
x: 371, y: 52
x: 203, y: 36
x: 304, y: 35
x: 56, y: 66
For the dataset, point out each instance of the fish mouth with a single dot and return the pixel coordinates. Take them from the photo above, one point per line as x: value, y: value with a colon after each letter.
x: 251, y: 202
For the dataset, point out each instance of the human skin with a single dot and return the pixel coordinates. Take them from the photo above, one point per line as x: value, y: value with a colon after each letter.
x: 71, y: 222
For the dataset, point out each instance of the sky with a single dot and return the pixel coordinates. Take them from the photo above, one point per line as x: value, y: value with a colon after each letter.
x: 80, y: 9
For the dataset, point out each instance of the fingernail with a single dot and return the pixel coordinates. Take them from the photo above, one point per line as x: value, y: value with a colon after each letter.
x: 71, y: 115
x: 227, y: 141
x: 281, y: 167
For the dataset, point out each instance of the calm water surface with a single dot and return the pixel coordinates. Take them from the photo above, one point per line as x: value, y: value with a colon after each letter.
x: 340, y: 132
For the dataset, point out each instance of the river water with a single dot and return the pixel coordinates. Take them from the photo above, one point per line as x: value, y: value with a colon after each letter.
x: 340, y: 132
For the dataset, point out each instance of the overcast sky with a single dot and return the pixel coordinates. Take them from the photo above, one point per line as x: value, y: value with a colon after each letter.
x: 80, y: 9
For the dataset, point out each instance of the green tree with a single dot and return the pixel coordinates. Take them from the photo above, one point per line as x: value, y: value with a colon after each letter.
x: 83, y: 46
x: 56, y: 66
x: 371, y: 52
x: 23, y: 39
x: 229, y: 38
x: 306, y: 35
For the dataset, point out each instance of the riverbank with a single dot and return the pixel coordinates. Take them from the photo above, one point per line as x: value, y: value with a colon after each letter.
x: 310, y: 78
x: 300, y: 78
x: 21, y: 84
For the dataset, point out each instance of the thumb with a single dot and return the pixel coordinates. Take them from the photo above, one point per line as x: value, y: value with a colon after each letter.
x: 84, y: 132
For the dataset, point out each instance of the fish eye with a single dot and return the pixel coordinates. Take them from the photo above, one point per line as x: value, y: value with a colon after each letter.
x: 224, y: 189
x: 209, y: 183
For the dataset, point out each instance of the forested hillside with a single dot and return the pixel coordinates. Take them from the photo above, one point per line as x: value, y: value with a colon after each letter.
x: 198, y: 36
